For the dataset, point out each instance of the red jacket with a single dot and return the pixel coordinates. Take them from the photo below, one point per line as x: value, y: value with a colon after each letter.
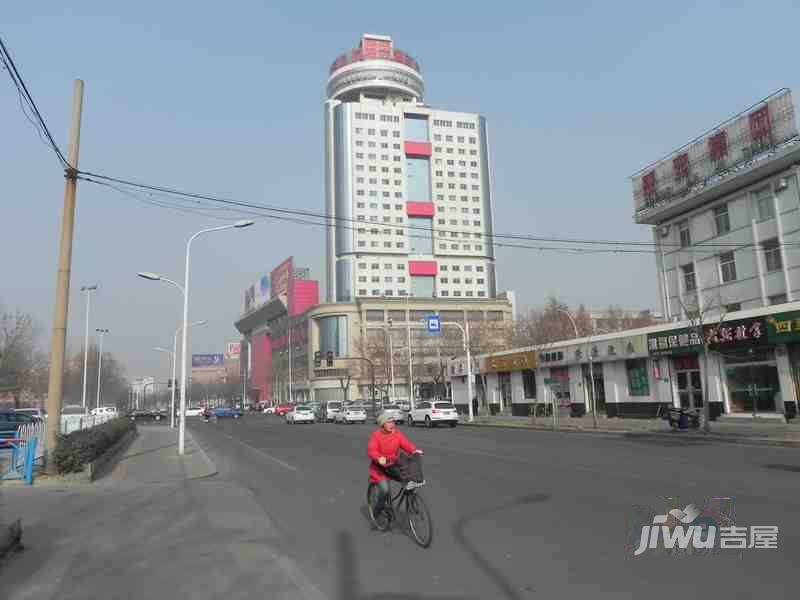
x: 388, y: 445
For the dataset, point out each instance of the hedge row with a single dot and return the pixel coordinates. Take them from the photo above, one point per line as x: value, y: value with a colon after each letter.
x: 75, y: 450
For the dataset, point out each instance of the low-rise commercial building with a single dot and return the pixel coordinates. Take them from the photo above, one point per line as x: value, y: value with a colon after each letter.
x: 752, y: 369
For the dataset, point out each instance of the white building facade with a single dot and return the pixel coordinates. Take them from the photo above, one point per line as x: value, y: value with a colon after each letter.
x: 725, y: 211
x: 407, y: 186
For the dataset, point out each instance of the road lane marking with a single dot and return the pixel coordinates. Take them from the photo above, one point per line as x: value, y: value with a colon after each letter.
x: 285, y: 465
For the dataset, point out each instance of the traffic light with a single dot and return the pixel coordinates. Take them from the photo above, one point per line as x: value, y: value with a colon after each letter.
x: 317, y: 359
x: 329, y: 358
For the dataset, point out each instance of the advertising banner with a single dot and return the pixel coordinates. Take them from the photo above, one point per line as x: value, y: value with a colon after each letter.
x: 208, y: 360
x: 234, y: 349
x: 281, y: 277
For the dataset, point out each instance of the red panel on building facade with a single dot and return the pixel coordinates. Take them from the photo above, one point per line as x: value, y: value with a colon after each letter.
x: 718, y: 145
x: 419, y: 148
x: 422, y: 267
x: 261, y: 367
x: 305, y: 295
x: 420, y: 209
x: 760, y: 124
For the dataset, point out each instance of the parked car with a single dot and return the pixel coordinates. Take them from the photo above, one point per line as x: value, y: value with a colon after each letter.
x: 352, y: 413
x: 300, y: 414
x: 395, y: 411
x: 433, y: 413
x: 109, y: 411
x: 329, y: 410
x: 194, y: 411
x: 147, y: 415
x: 269, y: 410
x: 227, y: 411
x: 11, y: 421
x: 282, y: 409
x: 38, y: 414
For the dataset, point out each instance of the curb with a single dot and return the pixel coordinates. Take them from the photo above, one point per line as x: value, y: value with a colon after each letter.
x: 212, y: 467
x: 10, y: 537
x: 631, y: 434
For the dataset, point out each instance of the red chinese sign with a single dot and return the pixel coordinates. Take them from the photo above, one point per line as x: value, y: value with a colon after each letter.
x: 751, y: 331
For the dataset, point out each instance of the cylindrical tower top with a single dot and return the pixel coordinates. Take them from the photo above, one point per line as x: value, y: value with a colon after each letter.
x: 376, y: 68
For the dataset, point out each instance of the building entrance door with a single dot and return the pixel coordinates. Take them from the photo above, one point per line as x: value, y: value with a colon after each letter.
x: 690, y: 386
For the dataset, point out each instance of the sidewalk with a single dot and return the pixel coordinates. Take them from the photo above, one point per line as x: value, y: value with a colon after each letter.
x: 764, y: 431
x: 157, y: 526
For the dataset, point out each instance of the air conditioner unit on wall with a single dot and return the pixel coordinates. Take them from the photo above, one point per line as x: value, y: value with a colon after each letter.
x: 782, y: 183
x: 664, y: 230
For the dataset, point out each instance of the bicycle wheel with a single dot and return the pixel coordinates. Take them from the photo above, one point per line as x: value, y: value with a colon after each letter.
x: 381, y: 522
x: 419, y: 520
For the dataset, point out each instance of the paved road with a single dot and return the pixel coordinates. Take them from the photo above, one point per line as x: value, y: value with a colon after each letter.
x: 518, y: 514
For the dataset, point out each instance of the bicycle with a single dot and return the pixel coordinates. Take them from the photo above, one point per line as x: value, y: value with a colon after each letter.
x: 417, y: 513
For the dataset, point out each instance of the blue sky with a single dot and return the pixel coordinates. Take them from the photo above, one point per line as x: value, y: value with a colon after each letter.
x: 227, y: 98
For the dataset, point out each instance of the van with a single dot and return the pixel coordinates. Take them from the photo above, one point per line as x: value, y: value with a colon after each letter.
x: 328, y: 411
x: 105, y: 411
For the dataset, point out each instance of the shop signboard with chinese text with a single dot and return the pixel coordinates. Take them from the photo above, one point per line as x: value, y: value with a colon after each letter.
x: 677, y: 341
x: 735, y: 334
x: 784, y: 328
x: 510, y: 362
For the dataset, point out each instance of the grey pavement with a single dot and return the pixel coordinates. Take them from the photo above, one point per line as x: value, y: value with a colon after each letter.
x: 767, y: 431
x: 518, y: 514
x: 157, y: 526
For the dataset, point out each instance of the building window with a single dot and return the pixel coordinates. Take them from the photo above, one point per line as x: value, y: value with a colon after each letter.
x: 727, y: 267
x: 481, y: 294
x: 733, y: 307
x: 362, y: 244
x: 764, y: 204
x: 479, y: 268
x: 638, y: 384
x: 689, y: 282
x: 772, y: 255
x: 777, y: 299
x: 685, y: 234
x: 722, y: 220
x: 444, y: 293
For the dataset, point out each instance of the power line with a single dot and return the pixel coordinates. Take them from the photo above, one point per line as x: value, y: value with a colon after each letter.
x: 328, y: 220
x: 22, y: 89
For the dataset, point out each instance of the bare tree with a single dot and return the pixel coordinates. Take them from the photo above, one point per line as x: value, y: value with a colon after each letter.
x: 698, y: 313
x: 20, y: 359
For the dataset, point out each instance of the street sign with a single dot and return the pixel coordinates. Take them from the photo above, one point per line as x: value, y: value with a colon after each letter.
x: 433, y: 324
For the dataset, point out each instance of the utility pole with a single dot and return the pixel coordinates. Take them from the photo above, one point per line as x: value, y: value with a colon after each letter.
x: 55, y: 390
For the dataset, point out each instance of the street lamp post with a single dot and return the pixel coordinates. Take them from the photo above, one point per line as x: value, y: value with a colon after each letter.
x: 173, y: 353
x: 465, y: 336
x: 88, y: 289
x: 182, y: 426
x: 591, y: 365
x: 388, y: 333
x: 102, y: 333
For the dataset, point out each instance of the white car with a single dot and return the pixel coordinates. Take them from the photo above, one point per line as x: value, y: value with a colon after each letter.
x: 269, y: 410
x: 300, y: 414
x: 433, y: 413
x: 329, y: 410
x: 105, y: 411
x: 353, y: 413
x: 194, y: 411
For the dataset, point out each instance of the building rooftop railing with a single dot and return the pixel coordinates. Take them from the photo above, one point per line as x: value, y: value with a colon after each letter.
x: 360, y: 54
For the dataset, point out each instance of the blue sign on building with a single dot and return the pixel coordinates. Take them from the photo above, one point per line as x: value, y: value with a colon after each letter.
x: 208, y: 360
x: 433, y: 324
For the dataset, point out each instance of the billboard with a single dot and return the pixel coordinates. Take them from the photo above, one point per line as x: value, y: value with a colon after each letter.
x: 719, y: 153
x: 257, y: 294
x: 234, y: 349
x: 281, y: 278
x: 208, y: 360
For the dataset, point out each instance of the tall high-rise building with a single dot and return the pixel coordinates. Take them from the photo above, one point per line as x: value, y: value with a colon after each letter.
x: 408, y: 186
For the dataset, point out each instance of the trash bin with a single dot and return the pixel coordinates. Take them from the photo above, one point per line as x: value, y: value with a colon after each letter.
x: 683, y: 421
x: 577, y: 410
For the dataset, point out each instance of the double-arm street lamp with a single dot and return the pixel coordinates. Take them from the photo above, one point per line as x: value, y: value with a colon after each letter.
x: 185, y: 326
